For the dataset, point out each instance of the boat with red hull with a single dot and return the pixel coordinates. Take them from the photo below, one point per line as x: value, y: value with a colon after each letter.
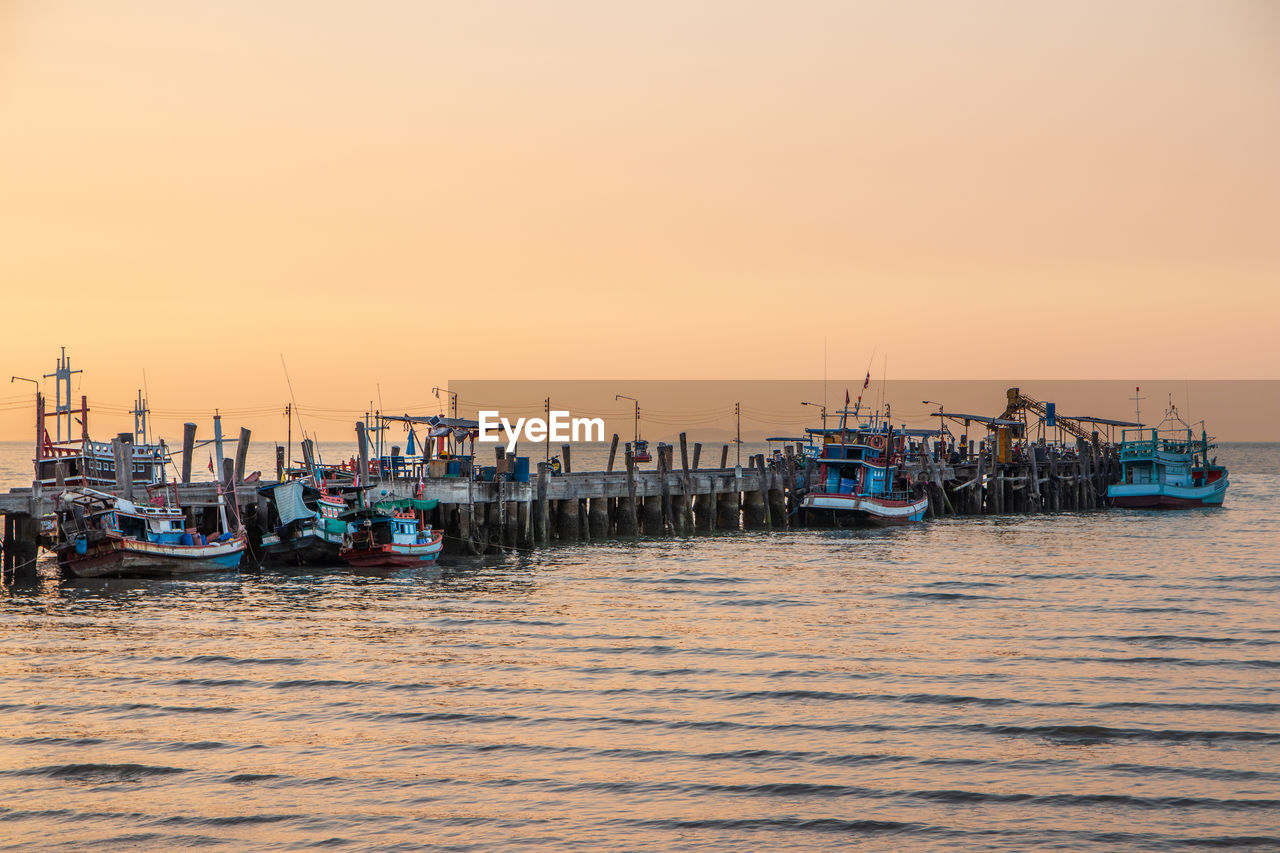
x: 395, y: 537
x: 1167, y: 467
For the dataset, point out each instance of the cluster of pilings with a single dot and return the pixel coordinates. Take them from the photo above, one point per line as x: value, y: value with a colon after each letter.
x: 673, y: 500
x: 1041, y: 478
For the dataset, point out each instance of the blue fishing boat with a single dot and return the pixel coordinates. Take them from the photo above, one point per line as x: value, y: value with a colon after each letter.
x: 859, y: 477
x: 392, y: 534
x: 103, y: 535
x: 1167, y: 467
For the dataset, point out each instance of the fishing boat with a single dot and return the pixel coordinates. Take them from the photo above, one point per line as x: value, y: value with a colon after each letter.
x: 309, y: 524
x: 66, y: 456
x: 102, y: 535
x: 1167, y: 467
x: 392, y: 535
x: 859, y: 478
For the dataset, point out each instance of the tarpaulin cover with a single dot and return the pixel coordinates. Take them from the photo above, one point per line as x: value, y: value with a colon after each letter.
x: 288, y: 500
x: 408, y: 503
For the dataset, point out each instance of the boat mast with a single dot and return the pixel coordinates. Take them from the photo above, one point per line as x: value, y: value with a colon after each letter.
x: 62, y: 405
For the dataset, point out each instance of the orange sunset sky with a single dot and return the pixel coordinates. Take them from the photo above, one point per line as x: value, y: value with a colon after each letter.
x: 396, y: 194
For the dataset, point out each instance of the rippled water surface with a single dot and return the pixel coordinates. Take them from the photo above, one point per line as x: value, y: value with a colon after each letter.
x: 1096, y: 681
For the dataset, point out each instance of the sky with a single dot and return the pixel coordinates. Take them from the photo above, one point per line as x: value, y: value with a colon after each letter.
x: 237, y: 204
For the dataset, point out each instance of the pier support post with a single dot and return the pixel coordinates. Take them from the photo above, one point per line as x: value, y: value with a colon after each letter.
x: 541, y: 510
x: 613, y: 452
x: 628, y: 514
x: 242, y: 454
x: 753, y: 510
x: 9, y: 544
x: 626, y: 517
x: 704, y: 512
x: 598, y: 518
x: 188, y: 450
x: 763, y: 474
x: 567, y: 520
x: 651, y: 507
x: 664, y: 472
x: 123, y: 452
x: 727, y: 510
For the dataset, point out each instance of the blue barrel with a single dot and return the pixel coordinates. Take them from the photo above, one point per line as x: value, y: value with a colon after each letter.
x: 488, y: 472
x: 522, y: 469
x: 186, y: 539
x: 453, y: 468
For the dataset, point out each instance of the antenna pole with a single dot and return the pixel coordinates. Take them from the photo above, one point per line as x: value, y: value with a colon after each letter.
x: 737, y: 419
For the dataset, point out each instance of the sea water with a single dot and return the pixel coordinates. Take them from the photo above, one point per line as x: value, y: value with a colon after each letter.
x: 1104, y: 680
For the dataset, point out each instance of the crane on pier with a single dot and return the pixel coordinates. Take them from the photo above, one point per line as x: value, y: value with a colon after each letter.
x: 1020, y: 405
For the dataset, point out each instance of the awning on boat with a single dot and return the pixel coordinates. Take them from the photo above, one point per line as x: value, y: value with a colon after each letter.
x: 434, y: 421
x: 288, y: 500
x: 408, y: 503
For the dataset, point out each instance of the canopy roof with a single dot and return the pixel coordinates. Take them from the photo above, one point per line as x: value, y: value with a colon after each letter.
x: 434, y: 420
x: 1104, y: 421
x: 982, y: 419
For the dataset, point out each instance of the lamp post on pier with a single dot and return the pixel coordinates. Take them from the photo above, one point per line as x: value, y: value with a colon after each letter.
x: 823, y: 408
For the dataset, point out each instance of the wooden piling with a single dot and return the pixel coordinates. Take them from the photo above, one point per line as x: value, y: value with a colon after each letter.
x: 1034, y: 492
x: 124, y: 467
x: 697, y: 454
x: 598, y: 518
x: 565, y: 467
x: 628, y: 513
x: 613, y: 451
x: 542, y: 509
x: 704, y: 512
x: 242, y: 454
x: 764, y: 489
x: 728, y: 510
x: 188, y: 450
x: 664, y: 476
x: 651, y: 510
x: 724, y: 457
x: 362, y: 442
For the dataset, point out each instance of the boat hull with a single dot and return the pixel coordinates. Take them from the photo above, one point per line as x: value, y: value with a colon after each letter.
x: 309, y: 548
x: 117, y: 557
x: 868, y: 509
x: 1165, y: 496
x: 393, y: 555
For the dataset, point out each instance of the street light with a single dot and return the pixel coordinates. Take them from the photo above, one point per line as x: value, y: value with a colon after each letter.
x: 39, y: 426
x: 637, y: 402
x: 824, y: 413
x: 942, y: 421
x: 453, y: 398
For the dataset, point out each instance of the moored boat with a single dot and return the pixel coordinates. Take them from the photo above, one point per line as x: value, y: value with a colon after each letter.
x: 1167, y: 467
x: 393, y: 535
x: 311, y: 527
x: 102, y: 535
x: 859, y: 477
